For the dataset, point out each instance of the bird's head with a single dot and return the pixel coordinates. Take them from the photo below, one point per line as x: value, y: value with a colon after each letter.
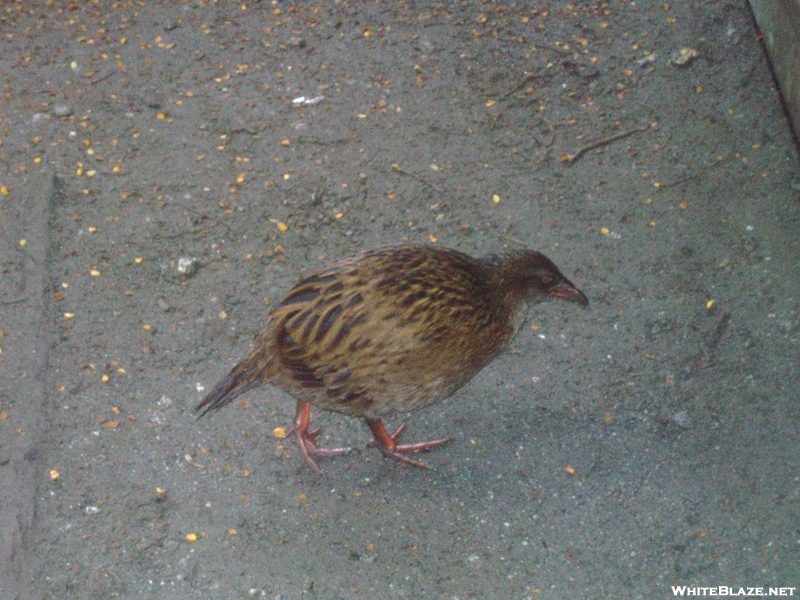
x: 532, y: 277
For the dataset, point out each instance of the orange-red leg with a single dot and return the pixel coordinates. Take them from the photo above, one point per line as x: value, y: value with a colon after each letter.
x: 305, y: 438
x: 387, y: 443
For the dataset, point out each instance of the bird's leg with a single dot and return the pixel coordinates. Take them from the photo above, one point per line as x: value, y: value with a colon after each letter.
x: 305, y: 438
x: 387, y: 443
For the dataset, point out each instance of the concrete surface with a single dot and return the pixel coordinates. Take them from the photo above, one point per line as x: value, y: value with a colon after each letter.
x: 650, y: 441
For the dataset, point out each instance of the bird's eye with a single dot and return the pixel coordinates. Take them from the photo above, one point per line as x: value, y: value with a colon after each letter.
x: 547, y: 280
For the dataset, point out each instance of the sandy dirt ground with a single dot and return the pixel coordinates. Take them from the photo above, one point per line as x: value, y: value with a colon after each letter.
x: 649, y: 441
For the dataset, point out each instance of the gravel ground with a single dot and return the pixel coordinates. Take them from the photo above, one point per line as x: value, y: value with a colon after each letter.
x: 611, y: 453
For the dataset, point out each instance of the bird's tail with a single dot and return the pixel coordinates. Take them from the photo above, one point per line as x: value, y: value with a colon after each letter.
x: 240, y: 380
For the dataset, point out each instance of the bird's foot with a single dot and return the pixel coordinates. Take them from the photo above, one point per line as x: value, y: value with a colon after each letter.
x: 309, y: 450
x: 387, y: 444
x: 305, y: 438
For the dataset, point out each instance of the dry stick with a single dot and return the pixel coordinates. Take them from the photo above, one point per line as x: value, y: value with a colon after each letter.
x: 552, y: 131
x: 399, y: 169
x: 528, y: 78
x: 571, y: 158
x: 696, y: 174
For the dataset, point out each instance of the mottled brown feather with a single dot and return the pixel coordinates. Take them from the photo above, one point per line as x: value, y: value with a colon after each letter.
x: 393, y: 329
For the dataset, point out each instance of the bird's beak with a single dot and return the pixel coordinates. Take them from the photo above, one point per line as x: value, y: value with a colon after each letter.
x: 567, y: 291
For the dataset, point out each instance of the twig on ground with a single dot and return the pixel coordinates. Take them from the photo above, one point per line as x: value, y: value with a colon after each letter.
x: 720, y: 160
x: 571, y: 158
x: 399, y: 169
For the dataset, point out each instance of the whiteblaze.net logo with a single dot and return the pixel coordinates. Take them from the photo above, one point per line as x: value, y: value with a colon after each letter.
x: 725, y: 591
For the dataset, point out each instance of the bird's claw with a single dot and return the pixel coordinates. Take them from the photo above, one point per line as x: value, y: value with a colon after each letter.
x: 387, y: 444
x: 306, y: 439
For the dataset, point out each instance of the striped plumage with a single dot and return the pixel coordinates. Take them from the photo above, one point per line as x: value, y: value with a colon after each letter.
x: 390, y: 330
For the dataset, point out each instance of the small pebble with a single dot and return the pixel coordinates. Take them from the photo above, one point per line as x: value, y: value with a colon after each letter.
x: 62, y: 110
x: 187, y: 266
x: 683, y: 56
x: 682, y: 419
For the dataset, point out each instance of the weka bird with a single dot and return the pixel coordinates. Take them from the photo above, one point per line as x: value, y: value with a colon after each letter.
x: 391, y: 329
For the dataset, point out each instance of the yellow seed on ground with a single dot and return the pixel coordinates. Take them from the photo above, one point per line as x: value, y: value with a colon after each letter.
x: 191, y: 537
x: 279, y: 432
x: 604, y: 230
x: 283, y: 226
x: 495, y: 198
x: 710, y: 304
x: 54, y: 474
